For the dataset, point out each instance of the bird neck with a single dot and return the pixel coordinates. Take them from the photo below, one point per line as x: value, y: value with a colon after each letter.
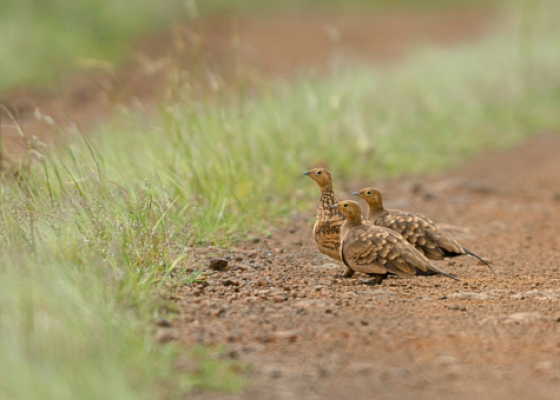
x: 375, y: 210
x: 353, y: 221
x: 327, y: 200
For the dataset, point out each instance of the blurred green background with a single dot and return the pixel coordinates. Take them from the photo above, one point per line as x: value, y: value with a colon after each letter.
x: 42, y: 41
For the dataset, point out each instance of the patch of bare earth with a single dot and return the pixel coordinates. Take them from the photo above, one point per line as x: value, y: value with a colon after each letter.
x: 309, y: 335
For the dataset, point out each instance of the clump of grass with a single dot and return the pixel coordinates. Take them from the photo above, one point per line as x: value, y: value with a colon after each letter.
x: 62, y: 335
x: 233, y: 163
x: 44, y: 40
x: 83, y: 264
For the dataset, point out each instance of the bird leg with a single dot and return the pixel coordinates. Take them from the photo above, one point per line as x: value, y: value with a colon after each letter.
x: 377, y: 279
x: 346, y: 274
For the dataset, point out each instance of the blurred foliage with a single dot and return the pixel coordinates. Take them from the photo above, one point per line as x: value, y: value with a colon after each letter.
x: 235, y: 158
x: 42, y: 40
x: 251, y: 6
x: 85, y: 268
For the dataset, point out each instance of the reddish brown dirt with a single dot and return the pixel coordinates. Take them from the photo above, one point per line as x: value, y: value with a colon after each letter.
x: 218, y: 50
x: 308, y: 335
x: 282, y: 44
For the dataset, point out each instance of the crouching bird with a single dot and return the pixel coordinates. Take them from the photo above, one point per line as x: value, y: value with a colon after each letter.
x: 378, y: 251
x: 419, y: 231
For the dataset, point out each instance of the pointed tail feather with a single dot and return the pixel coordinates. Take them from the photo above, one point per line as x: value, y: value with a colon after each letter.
x: 419, y: 272
x: 439, y: 271
x: 470, y: 253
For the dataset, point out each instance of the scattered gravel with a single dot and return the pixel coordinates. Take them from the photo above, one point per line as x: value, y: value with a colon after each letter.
x: 308, y: 334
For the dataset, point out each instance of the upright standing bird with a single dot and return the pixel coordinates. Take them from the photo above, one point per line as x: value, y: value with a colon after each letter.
x: 329, y: 220
x: 378, y: 251
x: 421, y: 232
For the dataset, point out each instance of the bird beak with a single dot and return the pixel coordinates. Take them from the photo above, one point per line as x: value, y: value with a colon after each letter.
x: 334, y: 206
x: 306, y: 173
x: 356, y: 194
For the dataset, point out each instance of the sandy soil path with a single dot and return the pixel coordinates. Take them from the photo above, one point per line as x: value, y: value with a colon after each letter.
x: 308, y: 335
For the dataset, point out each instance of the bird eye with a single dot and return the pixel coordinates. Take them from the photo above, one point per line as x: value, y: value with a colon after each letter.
x: 368, y: 192
x: 345, y: 205
x: 319, y: 172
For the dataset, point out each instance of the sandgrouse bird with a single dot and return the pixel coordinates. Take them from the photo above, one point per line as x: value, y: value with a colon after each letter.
x: 328, y: 220
x: 378, y: 251
x: 421, y: 232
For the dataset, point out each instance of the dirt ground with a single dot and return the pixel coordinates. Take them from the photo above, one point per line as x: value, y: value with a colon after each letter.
x: 309, y: 335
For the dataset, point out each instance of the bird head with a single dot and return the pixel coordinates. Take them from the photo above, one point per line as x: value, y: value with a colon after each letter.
x: 320, y: 175
x: 349, y: 208
x: 372, y: 196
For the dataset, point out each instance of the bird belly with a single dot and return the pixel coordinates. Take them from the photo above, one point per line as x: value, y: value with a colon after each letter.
x: 370, y: 269
x: 330, y: 251
x: 327, y: 238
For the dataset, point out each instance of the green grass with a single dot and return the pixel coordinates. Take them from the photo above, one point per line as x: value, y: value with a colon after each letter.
x: 84, y: 264
x: 232, y: 163
x: 259, y: 6
x: 61, y: 334
x: 91, y: 234
x: 43, y: 41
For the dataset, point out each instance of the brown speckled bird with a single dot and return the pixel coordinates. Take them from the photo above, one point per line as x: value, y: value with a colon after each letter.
x: 328, y: 220
x: 421, y: 232
x: 378, y: 251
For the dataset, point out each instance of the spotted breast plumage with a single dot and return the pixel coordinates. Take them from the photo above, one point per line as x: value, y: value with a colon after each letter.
x: 328, y: 221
